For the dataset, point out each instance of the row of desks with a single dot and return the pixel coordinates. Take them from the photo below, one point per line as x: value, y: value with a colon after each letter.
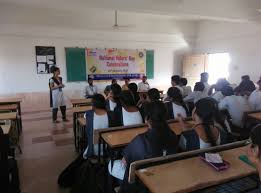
x: 10, y: 110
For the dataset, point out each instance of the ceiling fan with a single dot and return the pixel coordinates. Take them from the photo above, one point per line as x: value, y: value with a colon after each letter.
x: 116, y: 26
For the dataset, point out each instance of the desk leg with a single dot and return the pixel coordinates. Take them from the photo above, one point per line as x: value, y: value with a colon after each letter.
x: 99, y: 150
x: 20, y: 117
x: 16, y: 137
x: 74, y: 130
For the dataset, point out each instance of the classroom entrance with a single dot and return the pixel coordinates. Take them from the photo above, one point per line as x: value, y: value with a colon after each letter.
x: 217, y: 65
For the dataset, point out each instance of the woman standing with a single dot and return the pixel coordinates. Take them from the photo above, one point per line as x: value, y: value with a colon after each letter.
x: 56, y: 94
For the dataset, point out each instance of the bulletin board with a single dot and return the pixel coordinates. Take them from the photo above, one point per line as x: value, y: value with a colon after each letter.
x: 45, y: 59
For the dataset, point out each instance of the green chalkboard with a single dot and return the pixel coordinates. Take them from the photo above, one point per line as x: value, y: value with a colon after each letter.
x: 75, y: 64
x: 150, y: 64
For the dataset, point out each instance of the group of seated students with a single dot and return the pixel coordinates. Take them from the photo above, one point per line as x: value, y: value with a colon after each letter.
x: 124, y: 107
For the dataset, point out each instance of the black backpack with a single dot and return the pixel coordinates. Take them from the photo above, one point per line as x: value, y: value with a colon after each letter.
x: 9, y: 176
x: 68, y: 176
x: 91, y: 178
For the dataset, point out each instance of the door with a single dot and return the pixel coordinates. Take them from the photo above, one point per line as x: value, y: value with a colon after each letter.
x: 193, y: 66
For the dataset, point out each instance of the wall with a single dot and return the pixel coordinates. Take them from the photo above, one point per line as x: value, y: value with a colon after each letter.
x: 240, y: 40
x: 24, y: 29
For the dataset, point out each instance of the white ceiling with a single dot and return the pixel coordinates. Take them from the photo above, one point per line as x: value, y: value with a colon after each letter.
x: 153, y: 16
x: 225, y: 10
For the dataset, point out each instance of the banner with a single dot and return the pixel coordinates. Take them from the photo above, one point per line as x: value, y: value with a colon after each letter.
x: 105, y: 64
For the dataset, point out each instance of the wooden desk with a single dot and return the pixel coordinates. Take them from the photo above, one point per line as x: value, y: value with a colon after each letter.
x: 76, y: 112
x: 12, y: 116
x: 81, y: 102
x: 11, y: 107
x: 193, y: 174
x: 256, y: 116
x: 17, y: 101
x: 121, y: 138
x: 8, y: 116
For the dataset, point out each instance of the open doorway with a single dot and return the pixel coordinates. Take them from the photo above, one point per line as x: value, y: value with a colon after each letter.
x: 218, y: 66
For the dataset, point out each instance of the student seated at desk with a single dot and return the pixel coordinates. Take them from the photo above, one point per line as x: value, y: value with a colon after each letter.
x: 158, y: 141
x: 246, y: 87
x: 130, y: 114
x: 97, y: 118
x: 175, y: 82
x: 176, y: 106
x: 108, y: 87
x: 205, y: 133
x: 90, y: 90
x: 217, y: 95
x: 133, y: 87
x: 126, y: 83
x: 153, y: 96
x: 143, y: 85
x: 113, y: 97
x: 204, y: 79
x: 186, y: 89
x: 255, y: 98
x: 113, y: 106
x: 254, y: 151
x: 235, y: 105
x: 197, y: 94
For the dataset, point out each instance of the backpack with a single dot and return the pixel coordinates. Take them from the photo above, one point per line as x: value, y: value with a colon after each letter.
x: 9, y: 177
x: 91, y: 178
x: 67, y: 178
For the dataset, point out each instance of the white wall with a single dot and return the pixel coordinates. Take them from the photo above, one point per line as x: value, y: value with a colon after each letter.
x: 240, y: 40
x: 17, y: 54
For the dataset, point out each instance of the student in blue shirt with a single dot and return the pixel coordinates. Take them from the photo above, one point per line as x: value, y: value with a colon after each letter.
x: 158, y: 141
x: 254, y: 151
x: 205, y: 133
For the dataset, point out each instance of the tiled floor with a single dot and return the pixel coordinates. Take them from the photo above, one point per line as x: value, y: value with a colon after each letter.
x: 47, y: 150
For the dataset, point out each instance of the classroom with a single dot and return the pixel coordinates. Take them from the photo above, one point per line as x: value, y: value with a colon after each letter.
x: 130, y: 96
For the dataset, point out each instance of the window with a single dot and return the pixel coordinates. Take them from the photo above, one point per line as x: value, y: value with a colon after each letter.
x: 218, y: 66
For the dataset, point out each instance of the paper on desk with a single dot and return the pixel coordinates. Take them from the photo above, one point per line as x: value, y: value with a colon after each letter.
x: 213, y: 158
x: 118, y: 169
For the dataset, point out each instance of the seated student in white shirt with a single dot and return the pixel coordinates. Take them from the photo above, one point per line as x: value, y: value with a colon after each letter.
x: 175, y: 82
x: 235, y: 105
x: 97, y: 118
x: 176, y: 106
x: 205, y: 133
x: 144, y: 85
x: 186, y: 89
x: 217, y: 95
x: 197, y: 94
x: 255, y: 98
x: 204, y: 79
x: 90, y: 90
x: 129, y: 111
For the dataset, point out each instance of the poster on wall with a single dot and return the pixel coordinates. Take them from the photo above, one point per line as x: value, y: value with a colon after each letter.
x: 104, y: 64
x: 45, y: 59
